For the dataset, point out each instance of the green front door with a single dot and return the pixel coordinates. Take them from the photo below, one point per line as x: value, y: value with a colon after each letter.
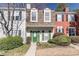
x: 34, y: 36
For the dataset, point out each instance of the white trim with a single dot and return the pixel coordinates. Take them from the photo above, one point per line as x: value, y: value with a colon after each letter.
x: 49, y: 11
x: 34, y: 10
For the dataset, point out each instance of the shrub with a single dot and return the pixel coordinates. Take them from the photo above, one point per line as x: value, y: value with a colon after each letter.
x: 41, y: 45
x: 50, y: 40
x: 61, y: 40
x: 10, y: 42
x: 74, y: 39
x: 57, y: 34
x: 28, y: 40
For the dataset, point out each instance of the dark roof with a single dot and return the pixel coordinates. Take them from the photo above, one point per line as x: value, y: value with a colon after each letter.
x: 23, y: 5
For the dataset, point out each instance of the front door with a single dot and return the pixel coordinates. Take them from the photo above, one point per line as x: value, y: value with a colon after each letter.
x: 34, y: 36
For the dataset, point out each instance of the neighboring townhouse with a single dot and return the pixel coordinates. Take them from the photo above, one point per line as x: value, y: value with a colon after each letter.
x: 40, y: 24
x: 19, y: 23
x: 66, y: 22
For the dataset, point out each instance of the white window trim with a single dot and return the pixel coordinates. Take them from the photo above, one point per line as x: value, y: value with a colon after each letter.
x: 71, y: 20
x: 34, y: 10
x: 47, y: 10
x: 61, y: 17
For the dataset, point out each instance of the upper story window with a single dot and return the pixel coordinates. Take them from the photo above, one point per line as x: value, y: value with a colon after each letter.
x: 47, y: 15
x: 34, y: 15
x: 71, y: 17
x: 59, y: 17
x: 17, y: 15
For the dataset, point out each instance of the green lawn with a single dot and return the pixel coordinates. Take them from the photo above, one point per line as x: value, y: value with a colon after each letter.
x: 20, y: 51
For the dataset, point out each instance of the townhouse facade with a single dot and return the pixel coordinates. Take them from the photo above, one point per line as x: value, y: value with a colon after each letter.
x: 19, y: 22
x: 41, y: 24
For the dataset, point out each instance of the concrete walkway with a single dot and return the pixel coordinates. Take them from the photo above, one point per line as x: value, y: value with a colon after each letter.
x: 32, y: 50
x: 74, y: 46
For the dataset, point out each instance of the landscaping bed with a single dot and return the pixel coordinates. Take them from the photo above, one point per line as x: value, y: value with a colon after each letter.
x: 43, y: 45
x: 20, y: 51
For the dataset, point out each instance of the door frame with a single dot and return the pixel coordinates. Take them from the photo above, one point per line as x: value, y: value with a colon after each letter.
x: 37, y: 34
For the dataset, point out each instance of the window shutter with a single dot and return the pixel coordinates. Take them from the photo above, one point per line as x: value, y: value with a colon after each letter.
x: 63, y: 30
x: 56, y: 17
x: 62, y: 17
x: 66, y: 17
x: 20, y: 15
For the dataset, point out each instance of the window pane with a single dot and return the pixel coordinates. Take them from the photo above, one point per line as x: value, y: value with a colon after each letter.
x: 17, y: 18
x: 72, y: 32
x: 33, y: 15
x: 46, y: 15
x: 71, y: 18
x: 59, y: 17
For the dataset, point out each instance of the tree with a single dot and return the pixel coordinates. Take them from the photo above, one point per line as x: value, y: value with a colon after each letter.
x: 8, y: 23
x: 61, y: 6
x: 77, y: 14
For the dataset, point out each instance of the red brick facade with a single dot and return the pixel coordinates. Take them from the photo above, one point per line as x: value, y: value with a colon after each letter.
x: 66, y: 24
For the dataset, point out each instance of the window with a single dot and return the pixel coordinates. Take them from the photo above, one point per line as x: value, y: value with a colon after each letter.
x: 47, y: 15
x: 17, y: 15
x: 59, y: 17
x: 60, y: 29
x: 72, y: 31
x: 71, y: 17
x: 34, y: 15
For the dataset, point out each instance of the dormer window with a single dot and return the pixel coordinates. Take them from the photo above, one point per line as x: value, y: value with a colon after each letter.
x: 47, y: 15
x: 34, y: 15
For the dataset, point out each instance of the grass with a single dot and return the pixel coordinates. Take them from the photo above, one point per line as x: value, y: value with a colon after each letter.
x: 45, y: 45
x: 20, y: 51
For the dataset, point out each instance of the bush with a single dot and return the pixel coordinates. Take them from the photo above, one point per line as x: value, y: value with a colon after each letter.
x: 50, y: 40
x: 41, y: 45
x: 57, y: 34
x: 28, y: 40
x: 74, y: 39
x: 10, y: 42
x: 61, y: 40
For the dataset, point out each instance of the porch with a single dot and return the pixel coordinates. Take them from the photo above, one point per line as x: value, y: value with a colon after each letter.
x: 40, y: 34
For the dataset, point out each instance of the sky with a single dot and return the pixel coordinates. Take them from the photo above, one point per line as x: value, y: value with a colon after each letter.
x: 71, y: 6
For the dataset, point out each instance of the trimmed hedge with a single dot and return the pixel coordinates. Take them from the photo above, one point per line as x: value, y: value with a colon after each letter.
x: 10, y: 42
x: 57, y: 34
x: 61, y: 40
x: 74, y: 39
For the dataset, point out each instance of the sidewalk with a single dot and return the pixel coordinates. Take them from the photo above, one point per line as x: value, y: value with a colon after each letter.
x: 74, y: 46
x: 32, y: 50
